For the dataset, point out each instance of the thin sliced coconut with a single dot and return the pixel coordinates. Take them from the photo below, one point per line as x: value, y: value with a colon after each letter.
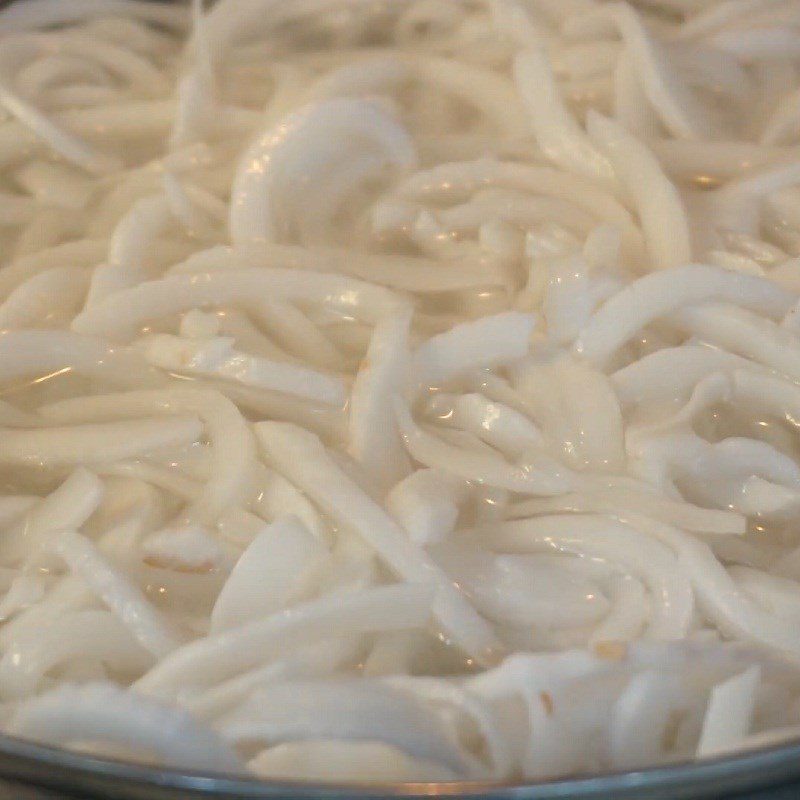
x: 302, y: 457
x: 277, y: 569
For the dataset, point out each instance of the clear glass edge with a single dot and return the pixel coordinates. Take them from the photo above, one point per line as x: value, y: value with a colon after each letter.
x: 37, y: 765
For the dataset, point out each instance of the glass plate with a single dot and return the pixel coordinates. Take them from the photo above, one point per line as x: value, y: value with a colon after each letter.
x: 32, y: 772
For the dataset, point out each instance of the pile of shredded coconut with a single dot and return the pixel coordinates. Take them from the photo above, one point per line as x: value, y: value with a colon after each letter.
x: 400, y: 390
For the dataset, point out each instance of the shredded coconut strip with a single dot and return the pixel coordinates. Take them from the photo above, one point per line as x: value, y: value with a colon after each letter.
x: 122, y: 313
x: 123, y: 598
x: 660, y: 293
x: 605, y: 538
x: 107, y: 714
x: 302, y: 458
x: 207, y: 661
x: 234, y: 448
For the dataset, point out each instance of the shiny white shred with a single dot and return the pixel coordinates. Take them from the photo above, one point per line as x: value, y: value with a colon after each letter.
x: 729, y: 714
x: 124, y: 599
x: 500, y: 425
x: 348, y: 141
x: 343, y: 761
x: 231, y: 652
x: 278, y: 568
x: 658, y: 203
x: 216, y: 357
x: 69, y: 505
x: 374, y: 437
x: 108, y: 716
x: 660, y: 293
x: 302, y: 458
x: 488, y: 342
x: 556, y: 395
x: 95, y: 442
x: 186, y: 548
x: 558, y: 134
x: 671, y: 595
x: 342, y: 709
x: 427, y: 504
x: 400, y: 391
x: 480, y: 464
